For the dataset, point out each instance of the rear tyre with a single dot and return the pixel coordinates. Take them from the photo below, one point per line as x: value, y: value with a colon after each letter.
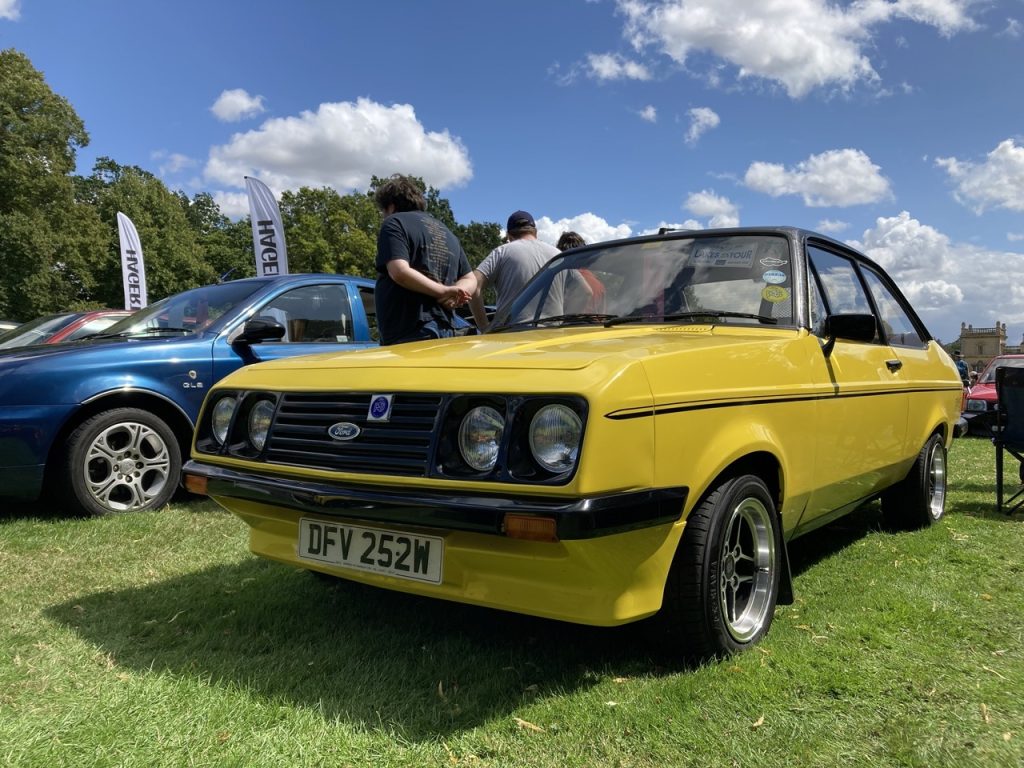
x: 724, y: 582
x: 123, y: 460
x: 919, y: 500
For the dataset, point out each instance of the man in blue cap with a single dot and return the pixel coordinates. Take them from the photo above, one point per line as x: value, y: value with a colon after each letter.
x: 510, y: 266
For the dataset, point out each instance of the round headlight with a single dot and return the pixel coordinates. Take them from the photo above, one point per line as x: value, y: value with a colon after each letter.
x: 555, y: 437
x: 220, y: 420
x: 480, y: 436
x: 259, y: 423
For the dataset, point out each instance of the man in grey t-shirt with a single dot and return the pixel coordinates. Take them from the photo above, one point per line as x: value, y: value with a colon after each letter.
x: 510, y: 266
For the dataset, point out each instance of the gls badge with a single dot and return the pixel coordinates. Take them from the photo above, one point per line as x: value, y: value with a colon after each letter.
x: 343, y: 430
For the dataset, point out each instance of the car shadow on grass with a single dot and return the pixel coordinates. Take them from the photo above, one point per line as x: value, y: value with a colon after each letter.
x: 821, y: 544
x: 377, y: 659
x: 30, y: 510
x: 374, y: 658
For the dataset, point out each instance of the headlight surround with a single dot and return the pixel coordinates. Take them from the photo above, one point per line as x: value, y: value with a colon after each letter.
x: 260, y: 416
x: 480, y: 437
x: 977, y: 405
x: 220, y: 418
x: 555, y: 433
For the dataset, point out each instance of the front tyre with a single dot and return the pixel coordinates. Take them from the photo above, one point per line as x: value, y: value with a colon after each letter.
x: 123, y: 460
x: 919, y: 500
x: 724, y: 582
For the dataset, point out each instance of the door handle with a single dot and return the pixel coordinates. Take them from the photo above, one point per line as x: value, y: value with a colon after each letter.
x: 893, y: 365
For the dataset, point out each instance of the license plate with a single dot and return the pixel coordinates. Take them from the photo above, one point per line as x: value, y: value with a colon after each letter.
x: 404, y: 555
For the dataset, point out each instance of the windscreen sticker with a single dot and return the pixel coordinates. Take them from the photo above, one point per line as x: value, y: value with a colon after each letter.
x: 773, y: 261
x: 774, y: 276
x: 774, y: 293
x: 718, y: 257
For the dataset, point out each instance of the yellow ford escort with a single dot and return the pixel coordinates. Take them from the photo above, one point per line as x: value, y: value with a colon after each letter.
x: 641, y: 432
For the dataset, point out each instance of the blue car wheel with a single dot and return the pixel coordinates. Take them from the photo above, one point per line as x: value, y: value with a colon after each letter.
x: 123, y: 460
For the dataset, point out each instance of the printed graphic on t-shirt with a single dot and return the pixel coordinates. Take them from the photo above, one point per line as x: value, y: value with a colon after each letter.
x: 438, y: 255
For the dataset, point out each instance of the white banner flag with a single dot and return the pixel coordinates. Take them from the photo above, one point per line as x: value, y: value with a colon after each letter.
x: 267, y: 229
x: 133, y: 270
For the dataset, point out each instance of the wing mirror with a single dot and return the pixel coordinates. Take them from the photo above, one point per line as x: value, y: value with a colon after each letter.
x: 850, y: 327
x: 259, y: 329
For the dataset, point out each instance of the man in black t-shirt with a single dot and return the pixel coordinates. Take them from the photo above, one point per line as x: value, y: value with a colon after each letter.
x: 422, y: 272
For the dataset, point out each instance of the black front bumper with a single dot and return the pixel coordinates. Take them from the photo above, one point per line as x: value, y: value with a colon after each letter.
x: 580, y: 518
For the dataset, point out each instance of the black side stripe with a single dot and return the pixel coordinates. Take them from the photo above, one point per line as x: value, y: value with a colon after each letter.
x: 680, y: 408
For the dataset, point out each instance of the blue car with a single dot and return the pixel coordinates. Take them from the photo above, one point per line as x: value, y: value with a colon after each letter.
x: 101, y: 424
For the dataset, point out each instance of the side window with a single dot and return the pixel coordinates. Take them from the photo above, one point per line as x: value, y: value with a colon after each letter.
x: 370, y: 307
x: 313, y: 313
x: 899, y: 328
x: 843, y: 291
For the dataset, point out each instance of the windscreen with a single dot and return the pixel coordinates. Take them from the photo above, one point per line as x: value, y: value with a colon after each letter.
x: 37, y: 331
x: 989, y: 376
x: 187, y: 312
x: 735, y: 279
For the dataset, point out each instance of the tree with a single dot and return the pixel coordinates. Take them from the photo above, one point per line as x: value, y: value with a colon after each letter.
x: 50, y: 245
x: 172, y: 254
x: 478, y: 238
x: 225, y: 245
x: 326, y: 232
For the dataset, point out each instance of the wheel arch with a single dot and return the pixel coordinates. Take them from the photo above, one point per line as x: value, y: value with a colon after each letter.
x: 768, y: 467
x: 159, y: 405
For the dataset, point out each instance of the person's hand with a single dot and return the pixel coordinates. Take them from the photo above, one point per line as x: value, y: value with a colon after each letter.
x: 453, y: 297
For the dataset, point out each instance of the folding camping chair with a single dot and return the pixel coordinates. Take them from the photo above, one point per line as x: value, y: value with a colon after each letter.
x: 1008, y: 434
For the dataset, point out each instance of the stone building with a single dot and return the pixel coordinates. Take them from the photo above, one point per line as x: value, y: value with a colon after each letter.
x: 979, y: 345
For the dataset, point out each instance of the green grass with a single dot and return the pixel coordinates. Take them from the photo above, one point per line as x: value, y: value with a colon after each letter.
x: 157, y: 640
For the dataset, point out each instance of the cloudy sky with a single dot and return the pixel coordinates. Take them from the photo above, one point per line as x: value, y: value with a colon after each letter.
x: 895, y: 125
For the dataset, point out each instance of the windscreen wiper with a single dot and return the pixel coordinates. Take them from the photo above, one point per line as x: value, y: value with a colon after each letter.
x: 101, y: 335
x: 715, y: 313
x: 575, y: 317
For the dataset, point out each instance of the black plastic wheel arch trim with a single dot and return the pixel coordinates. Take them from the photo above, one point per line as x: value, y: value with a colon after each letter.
x: 576, y: 518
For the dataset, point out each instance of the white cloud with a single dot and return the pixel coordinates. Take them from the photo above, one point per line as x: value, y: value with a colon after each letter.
x: 236, y: 104
x: 702, y: 119
x: 831, y: 226
x: 1013, y: 29
x: 998, y: 182
x: 612, y: 66
x: 1014, y: 237
x: 800, y: 44
x: 590, y: 226
x: 649, y: 113
x: 172, y: 162
x: 688, y: 224
x: 10, y: 9
x: 234, y: 205
x: 838, y: 177
x: 946, y: 282
x: 720, y: 211
x: 341, y: 145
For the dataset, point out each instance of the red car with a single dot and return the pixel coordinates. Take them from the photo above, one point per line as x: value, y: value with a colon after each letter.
x: 64, y: 326
x: 980, y: 401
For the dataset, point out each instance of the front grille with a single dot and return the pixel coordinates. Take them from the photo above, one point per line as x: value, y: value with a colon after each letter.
x: 399, y: 446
